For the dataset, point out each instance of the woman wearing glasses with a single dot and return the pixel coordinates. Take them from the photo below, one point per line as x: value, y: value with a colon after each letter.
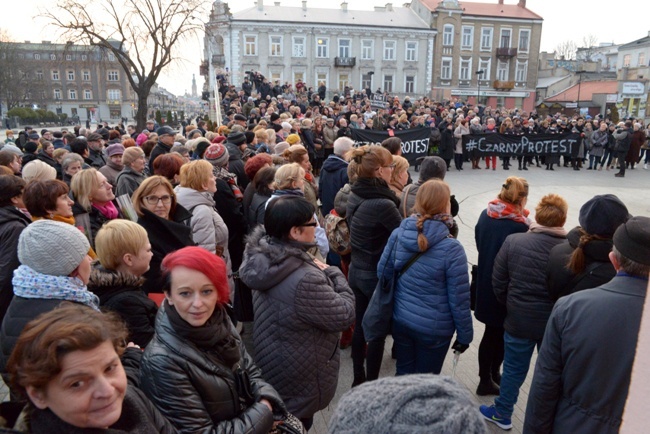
x: 301, y: 306
x: 166, y: 223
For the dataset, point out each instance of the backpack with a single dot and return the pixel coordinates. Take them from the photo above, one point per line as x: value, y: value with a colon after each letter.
x: 338, y: 233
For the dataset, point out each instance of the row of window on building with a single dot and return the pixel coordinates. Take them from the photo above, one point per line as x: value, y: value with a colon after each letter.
x: 627, y: 59
x: 52, y: 56
x: 487, y: 36
x: 73, y: 94
x: 465, y: 70
x: 111, y: 75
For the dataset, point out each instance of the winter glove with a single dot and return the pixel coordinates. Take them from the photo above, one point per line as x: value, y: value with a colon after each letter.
x: 459, y: 347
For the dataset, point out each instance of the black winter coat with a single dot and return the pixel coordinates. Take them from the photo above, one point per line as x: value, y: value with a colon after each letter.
x: 165, y: 236
x: 89, y: 221
x: 333, y: 176
x: 232, y: 213
x: 447, y: 144
x: 123, y: 294
x: 257, y: 210
x: 490, y: 234
x: 12, y: 223
x: 157, y: 150
x: 598, y: 268
x: 236, y: 165
x: 195, y: 392
x: 519, y: 282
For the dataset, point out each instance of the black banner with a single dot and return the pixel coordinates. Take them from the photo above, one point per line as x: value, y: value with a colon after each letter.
x: 415, y: 142
x: 528, y: 144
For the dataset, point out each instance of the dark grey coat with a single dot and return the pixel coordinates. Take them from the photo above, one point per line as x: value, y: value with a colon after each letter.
x: 300, y: 311
x: 583, y: 369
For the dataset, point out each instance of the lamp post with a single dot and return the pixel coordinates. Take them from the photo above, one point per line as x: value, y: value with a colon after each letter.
x: 579, y: 87
x: 479, y: 74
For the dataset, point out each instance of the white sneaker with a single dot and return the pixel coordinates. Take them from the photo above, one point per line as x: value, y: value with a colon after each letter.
x: 645, y: 166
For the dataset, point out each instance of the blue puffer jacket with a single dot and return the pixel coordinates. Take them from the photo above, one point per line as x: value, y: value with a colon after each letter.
x: 432, y: 297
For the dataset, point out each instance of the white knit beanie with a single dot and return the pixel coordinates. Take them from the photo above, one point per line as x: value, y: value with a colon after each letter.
x: 36, y: 170
x: 52, y: 248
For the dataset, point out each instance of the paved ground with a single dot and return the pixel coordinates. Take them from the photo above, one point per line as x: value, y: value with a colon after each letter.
x: 473, y: 189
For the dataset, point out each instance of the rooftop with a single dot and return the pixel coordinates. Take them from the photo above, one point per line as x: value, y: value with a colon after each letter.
x: 639, y: 42
x: 495, y: 9
x: 387, y: 16
x: 549, y: 81
x: 587, y: 89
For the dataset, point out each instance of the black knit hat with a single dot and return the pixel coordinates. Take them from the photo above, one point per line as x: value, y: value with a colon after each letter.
x: 632, y: 239
x: 237, y: 138
x: 602, y: 214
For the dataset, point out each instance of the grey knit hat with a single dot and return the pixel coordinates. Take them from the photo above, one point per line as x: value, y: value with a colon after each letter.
x: 52, y: 248
x: 407, y: 404
x: 432, y: 167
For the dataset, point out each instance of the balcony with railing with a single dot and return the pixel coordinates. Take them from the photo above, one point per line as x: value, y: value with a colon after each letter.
x: 506, y: 52
x: 503, y: 85
x: 345, y: 61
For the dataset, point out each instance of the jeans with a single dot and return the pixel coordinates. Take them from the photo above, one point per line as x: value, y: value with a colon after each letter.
x: 518, y: 352
x: 416, y: 353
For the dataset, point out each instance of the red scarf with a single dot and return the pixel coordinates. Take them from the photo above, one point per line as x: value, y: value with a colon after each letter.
x: 108, y: 210
x: 498, y: 209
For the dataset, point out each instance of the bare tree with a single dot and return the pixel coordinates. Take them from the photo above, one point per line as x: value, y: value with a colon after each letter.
x: 143, y: 35
x: 566, y: 50
x: 588, y: 49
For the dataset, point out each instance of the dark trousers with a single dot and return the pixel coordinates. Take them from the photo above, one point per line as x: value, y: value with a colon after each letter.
x: 621, y: 162
x: 417, y: 353
x: 490, y: 353
x: 458, y: 161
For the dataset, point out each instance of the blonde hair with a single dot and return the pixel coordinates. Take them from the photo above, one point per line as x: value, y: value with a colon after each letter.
x: 432, y: 198
x: 270, y: 136
x: 82, y: 185
x: 261, y: 135
x: 287, y: 174
x: 369, y: 159
x: 147, y: 187
x: 514, y: 190
x: 401, y: 166
x: 131, y: 154
x: 196, y: 174
x: 551, y: 211
x: 117, y: 238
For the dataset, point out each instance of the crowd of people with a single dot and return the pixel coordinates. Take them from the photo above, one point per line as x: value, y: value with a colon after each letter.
x: 233, y: 265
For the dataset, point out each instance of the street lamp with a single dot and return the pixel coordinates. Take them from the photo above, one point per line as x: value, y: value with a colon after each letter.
x: 479, y: 74
x: 579, y: 86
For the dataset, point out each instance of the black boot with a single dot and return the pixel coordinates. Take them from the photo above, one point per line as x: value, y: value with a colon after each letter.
x: 487, y: 387
x: 359, y: 376
x: 496, y: 377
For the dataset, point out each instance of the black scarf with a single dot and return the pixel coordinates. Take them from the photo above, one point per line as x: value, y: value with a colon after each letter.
x: 374, y: 188
x: 214, y: 336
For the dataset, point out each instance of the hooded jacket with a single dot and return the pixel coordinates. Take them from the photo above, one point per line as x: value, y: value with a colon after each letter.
x: 12, y: 223
x: 333, y: 176
x: 299, y: 312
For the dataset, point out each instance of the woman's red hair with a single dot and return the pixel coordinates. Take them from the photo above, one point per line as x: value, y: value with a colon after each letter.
x: 199, y: 259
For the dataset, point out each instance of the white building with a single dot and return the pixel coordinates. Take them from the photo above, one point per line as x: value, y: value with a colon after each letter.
x: 389, y: 48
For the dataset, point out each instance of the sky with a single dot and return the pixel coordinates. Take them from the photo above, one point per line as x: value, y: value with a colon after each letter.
x: 563, y: 20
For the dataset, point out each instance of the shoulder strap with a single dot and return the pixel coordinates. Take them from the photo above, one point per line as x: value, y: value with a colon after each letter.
x: 405, y: 195
x: 411, y: 261
x: 588, y: 270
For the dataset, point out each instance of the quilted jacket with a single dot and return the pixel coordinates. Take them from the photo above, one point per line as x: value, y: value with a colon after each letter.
x: 519, y: 282
x: 432, y: 296
x: 195, y: 392
x: 300, y: 311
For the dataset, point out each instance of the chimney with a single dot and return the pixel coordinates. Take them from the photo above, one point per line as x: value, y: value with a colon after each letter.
x: 260, y: 5
x: 389, y: 7
x: 344, y: 6
x: 304, y: 5
x: 522, y: 3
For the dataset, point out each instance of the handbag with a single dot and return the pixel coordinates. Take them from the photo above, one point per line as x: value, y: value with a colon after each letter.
x: 377, y: 320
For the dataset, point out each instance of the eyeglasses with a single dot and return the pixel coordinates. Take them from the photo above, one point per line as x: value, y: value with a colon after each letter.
x: 313, y: 224
x: 153, y: 200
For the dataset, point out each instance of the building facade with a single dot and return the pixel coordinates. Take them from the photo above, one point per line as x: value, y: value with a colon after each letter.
x: 501, y: 41
x: 389, y: 48
x: 633, y: 77
x: 81, y: 81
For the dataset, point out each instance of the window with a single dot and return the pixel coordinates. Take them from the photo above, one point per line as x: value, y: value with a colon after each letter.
x: 113, y: 75
x: 521, y: 71
x: 114, y: 94
x: 21, y: 56
x: 298, y: 75
x: 275, y: 76
x: 70, y: 75
x: 626, y: 61
x: 85, y: 75
x: 502, y: 71
x: 484, y: 65
x: 321, y: 77
x: 57, y: 93
x: 250, y: 45
x: 344, y: 48
x: 322, y: 45
x: 448, y: 35
x: 445, y: 70
x: 55, y: 75
x: 72, y: 94
x: 111, y: 57
x: 88, y: 94
x: 367, y: 49
x: 411, y: 51
x: 524, y: 40
x: 505, y: 38
x: 389, y: 50
x: 68, y: 57
x: 298, y: 46
x: 642, y: 59
x: 275, y: 43
x: 39, y: 75
x: 467, y: 41
x: 465, y: 72
x: 37, y: 56
x: 344, y: 80
x: 52, y: 56
x: 366, y: 81
x: 388, y: 83
x: 486, y: 38
x: 84, y: 57
x: 409, y: 86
